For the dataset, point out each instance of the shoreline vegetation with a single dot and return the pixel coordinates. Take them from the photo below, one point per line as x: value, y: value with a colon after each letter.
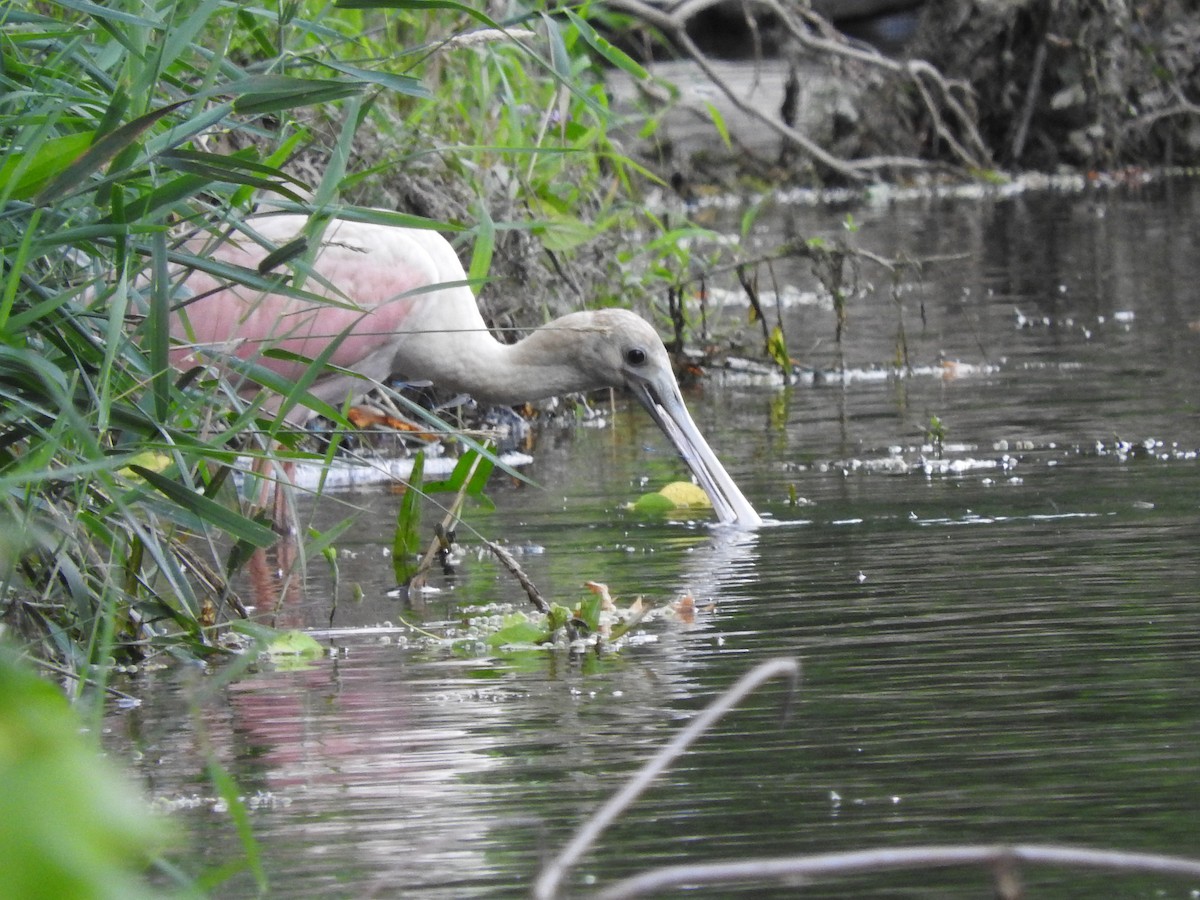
x: 566, y: 149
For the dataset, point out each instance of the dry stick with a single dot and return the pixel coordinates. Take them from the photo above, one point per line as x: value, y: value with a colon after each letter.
x: 803, y: 250
x: 1001, y: 858
x: 83, y: 679
x: 506, y: 560
x: 1184, y: 107
x: 674, y: 26
x: 1031, y: 95
x: 750, y: 286
x: 552, y: 875
x: 778, y: 299
x: 441, y: 540
x: 914, y: 69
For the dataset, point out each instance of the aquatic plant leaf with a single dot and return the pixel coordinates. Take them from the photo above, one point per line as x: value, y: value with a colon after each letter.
x: 406, y: 543
x: 470, y: 473
x: 517, y: 629
x: 685, y: 494
x: 558, y: 617
x: 676, y: 496
x: 297, y: 644
x: 589, y: 611
x: 653, y: 503
x: 777, y: 349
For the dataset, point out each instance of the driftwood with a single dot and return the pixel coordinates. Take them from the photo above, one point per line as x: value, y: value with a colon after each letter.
x: 983, y: 85
x: 947, y: 103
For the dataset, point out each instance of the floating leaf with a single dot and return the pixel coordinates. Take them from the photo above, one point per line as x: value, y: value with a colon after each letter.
x: 686, y: 494
x: 517, y: 629
x: 676, y: 496
x: 654, y: 504
x: 295, y: 644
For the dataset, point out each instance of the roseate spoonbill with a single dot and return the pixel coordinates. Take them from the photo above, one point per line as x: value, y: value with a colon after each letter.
x: 399, y: 297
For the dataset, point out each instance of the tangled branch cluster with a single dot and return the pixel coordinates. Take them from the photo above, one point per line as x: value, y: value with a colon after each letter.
x: 947, y: 103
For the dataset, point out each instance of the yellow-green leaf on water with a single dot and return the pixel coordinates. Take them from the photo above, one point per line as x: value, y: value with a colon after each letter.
x: 295, y: 644
x: 686, y: 494
x: 675, y: 496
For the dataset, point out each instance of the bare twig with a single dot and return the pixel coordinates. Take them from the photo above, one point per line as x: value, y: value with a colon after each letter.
x: 443, y: 536
x: 506, y: 560
x: 750, y: 286
x: 954, y: 121
x: 552, y: 875
x: 1031, y: 95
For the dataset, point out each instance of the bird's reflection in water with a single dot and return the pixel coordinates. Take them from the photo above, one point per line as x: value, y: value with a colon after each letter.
x: 275, y: 581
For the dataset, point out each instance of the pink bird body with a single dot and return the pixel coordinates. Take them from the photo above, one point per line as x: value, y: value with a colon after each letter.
x: 399, y: 298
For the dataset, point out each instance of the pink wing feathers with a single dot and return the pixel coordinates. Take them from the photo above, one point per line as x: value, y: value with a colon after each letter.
x: 370, y: 274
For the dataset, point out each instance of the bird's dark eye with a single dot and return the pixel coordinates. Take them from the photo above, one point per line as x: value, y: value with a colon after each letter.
x: 635, y: 356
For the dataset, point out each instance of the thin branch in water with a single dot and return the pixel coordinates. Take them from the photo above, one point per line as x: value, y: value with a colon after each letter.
x: 1003, y: 860
x: 550, y: 879
x: 750, y: 286
x: 507, y: 560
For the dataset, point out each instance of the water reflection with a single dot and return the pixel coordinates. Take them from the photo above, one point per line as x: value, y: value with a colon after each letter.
x: 999, y: 633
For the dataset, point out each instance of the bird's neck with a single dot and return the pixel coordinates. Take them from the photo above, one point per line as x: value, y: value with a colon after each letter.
x: 542, y: 364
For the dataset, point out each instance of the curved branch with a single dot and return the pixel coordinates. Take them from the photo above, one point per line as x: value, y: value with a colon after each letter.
x: 1003, y: 859
x: 953, y: 122
x: 551, y: 877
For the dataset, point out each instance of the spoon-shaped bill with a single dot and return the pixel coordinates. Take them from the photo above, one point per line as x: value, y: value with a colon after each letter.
x: 666, y: 406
